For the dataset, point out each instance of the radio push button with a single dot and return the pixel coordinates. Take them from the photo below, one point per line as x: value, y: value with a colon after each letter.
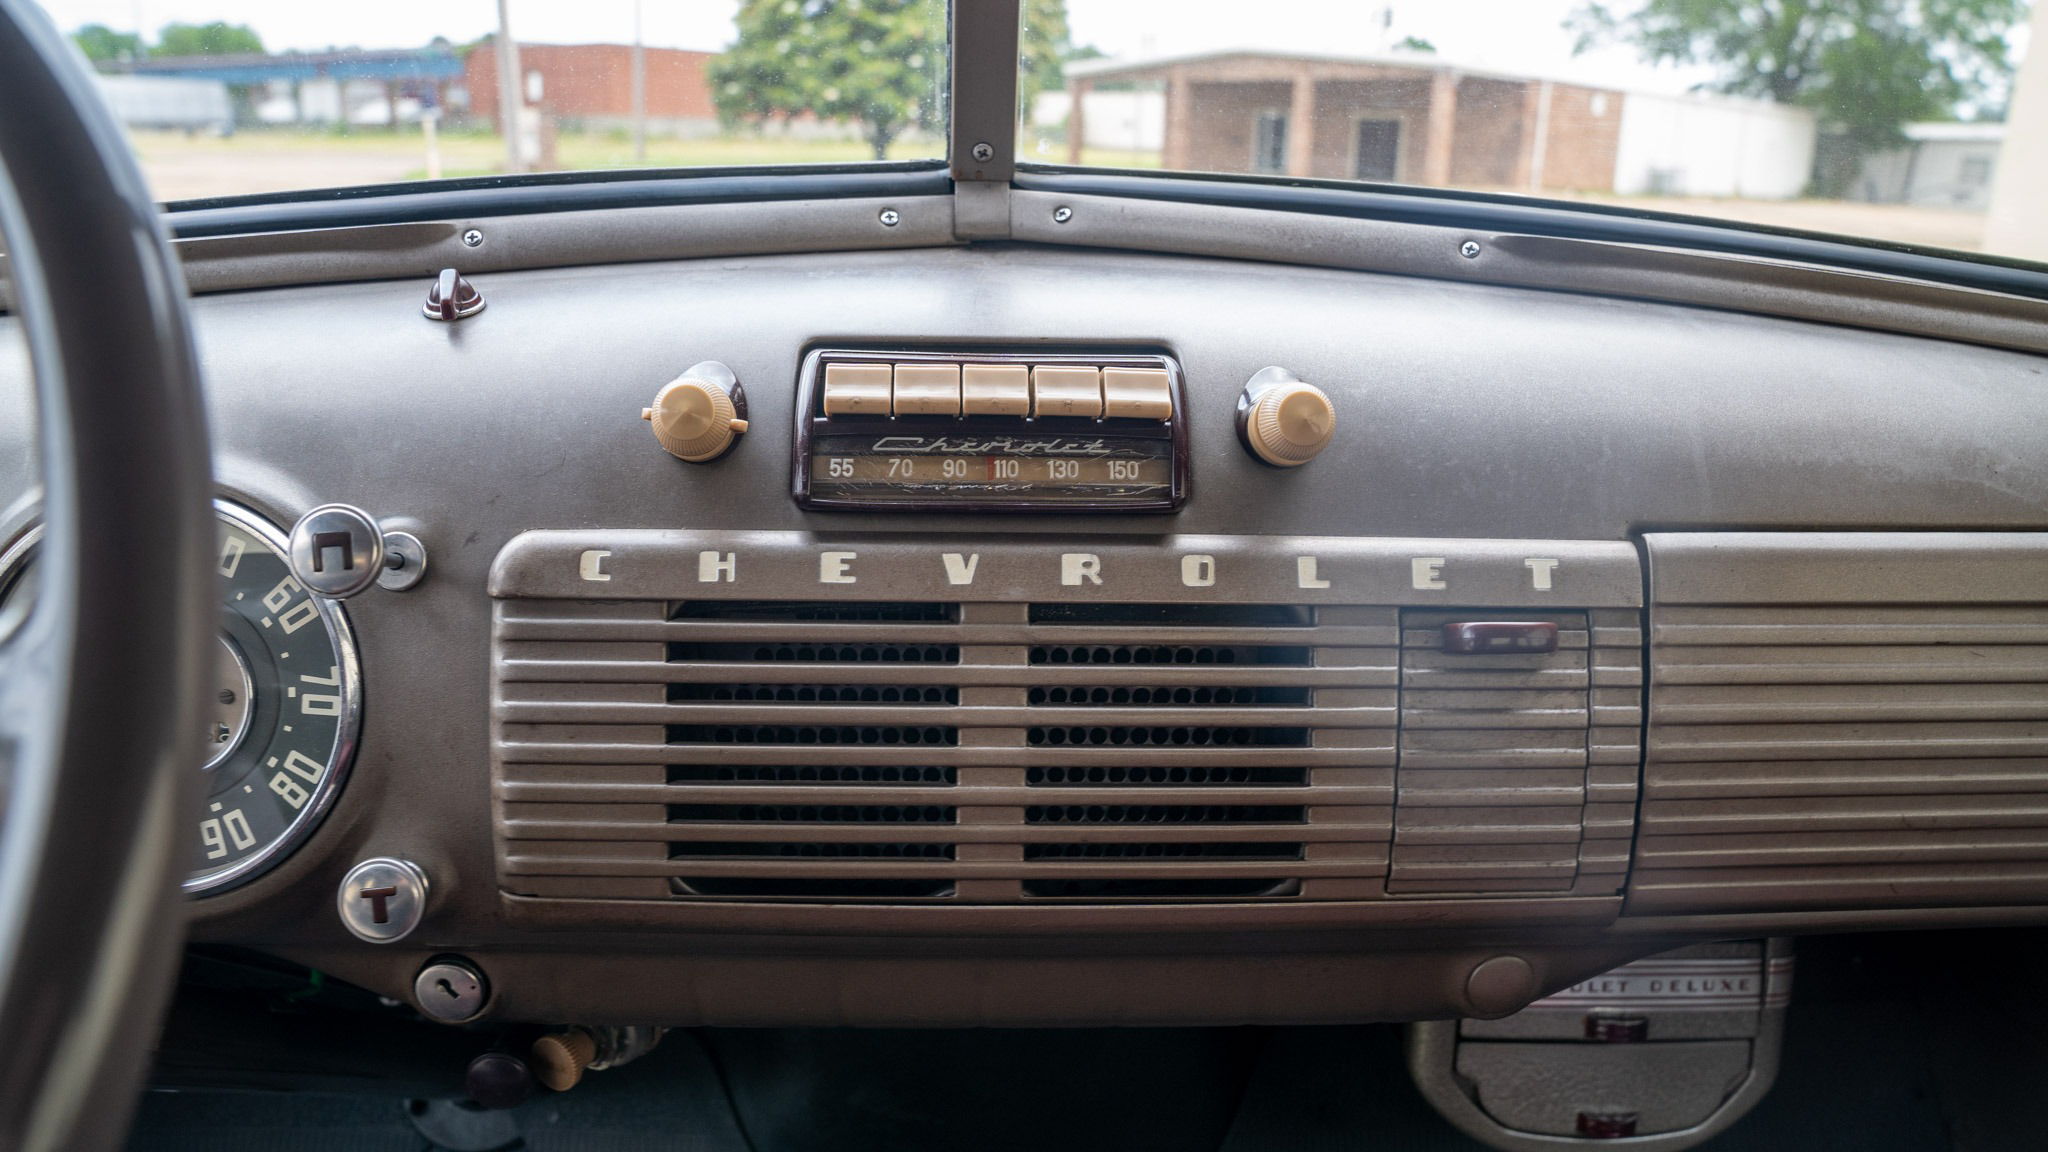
x: 857, y: 389
x: 995, y: 390
x: 1060, y: 390
x: 1137, y: 394
x: 924, y: 390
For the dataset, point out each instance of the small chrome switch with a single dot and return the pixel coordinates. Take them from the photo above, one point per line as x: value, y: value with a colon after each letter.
x: 338, y: 551
x: 382, y: 899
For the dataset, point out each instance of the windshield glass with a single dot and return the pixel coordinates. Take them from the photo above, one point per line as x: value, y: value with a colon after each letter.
x: 231, y: 97
x: 1904, y: 121
x: 1882, y: 119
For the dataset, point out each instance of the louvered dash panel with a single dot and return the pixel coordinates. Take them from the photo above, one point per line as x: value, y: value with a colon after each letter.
x: 1517, y: 770
x: 1830, y: 755
x: 705, y: 719
x: 971, y: 752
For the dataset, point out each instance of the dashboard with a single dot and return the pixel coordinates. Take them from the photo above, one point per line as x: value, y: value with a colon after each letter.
x: 1591, y: 627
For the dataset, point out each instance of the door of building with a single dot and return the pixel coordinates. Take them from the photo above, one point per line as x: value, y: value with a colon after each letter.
x: 1379, y: 149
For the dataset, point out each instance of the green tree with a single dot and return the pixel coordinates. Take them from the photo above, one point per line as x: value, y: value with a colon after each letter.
x: 103, y: 45
x: 1866, y: 67
x: 215, y: 39
x: 1043, y: 52
x: 880, y: 63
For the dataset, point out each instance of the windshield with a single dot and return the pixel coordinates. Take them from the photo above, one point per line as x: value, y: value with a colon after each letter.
x: 232, y: 97
x: 1882, y: 119
x: 1903, y: 121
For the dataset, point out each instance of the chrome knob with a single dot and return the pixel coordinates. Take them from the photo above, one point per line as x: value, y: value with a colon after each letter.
x: 382, y: 899
x: 338, y: 551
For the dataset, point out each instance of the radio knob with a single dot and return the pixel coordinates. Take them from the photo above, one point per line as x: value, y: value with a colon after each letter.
x: 699, y: 415
x: 1284, y: 420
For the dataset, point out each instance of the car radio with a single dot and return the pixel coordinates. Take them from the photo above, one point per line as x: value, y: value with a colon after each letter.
x: 991, y: 431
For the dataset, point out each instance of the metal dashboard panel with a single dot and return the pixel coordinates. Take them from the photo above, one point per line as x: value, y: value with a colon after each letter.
x: 1464, y: 410
x: 1844, y: 720
x: 1203, y: 724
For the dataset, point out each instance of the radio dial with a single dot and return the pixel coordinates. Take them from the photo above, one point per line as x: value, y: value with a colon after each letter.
x: 699, y: 415
x: 1284, y: 420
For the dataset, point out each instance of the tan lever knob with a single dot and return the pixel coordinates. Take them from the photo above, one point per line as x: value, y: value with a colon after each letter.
x: 1284, y: 420
x: 699, y: 415
x: 558, y: 1059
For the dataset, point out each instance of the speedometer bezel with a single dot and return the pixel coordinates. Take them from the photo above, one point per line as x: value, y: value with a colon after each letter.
x: 341, y: 758
x: 347, y: 731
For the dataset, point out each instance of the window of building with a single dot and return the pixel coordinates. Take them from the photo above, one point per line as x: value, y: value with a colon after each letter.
x: 1269, y: 143
x: 1379, y: 150
x: 1975, y: 172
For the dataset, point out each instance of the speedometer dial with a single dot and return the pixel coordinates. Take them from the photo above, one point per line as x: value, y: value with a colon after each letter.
x: 284, y: 703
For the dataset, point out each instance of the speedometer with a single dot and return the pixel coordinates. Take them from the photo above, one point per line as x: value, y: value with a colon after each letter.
x: 284, y: 703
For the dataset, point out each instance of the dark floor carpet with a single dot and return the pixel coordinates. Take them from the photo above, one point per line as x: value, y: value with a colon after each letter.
x: 1935, y: 1043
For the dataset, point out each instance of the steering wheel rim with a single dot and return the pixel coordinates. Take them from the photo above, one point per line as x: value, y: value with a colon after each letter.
x: 100, y: 687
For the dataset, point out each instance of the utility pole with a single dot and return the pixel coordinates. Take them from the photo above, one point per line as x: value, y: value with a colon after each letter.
x: 511, y: 90
x: 639, y: 90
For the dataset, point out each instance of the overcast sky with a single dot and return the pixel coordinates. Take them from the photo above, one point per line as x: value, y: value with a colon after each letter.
x: 1523, y: 36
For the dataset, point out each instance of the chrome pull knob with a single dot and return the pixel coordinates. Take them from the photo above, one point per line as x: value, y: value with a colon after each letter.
x: 338, y: 551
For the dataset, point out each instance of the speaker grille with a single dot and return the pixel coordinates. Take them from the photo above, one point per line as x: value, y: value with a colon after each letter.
x: 1016, y: 753
x: 970, y: 752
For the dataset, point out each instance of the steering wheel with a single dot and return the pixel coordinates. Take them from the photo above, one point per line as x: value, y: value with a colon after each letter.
x: 101, y: 683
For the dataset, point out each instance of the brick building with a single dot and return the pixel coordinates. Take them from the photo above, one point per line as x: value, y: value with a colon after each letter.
x: 1411, y: 120
x: 591, y: 85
